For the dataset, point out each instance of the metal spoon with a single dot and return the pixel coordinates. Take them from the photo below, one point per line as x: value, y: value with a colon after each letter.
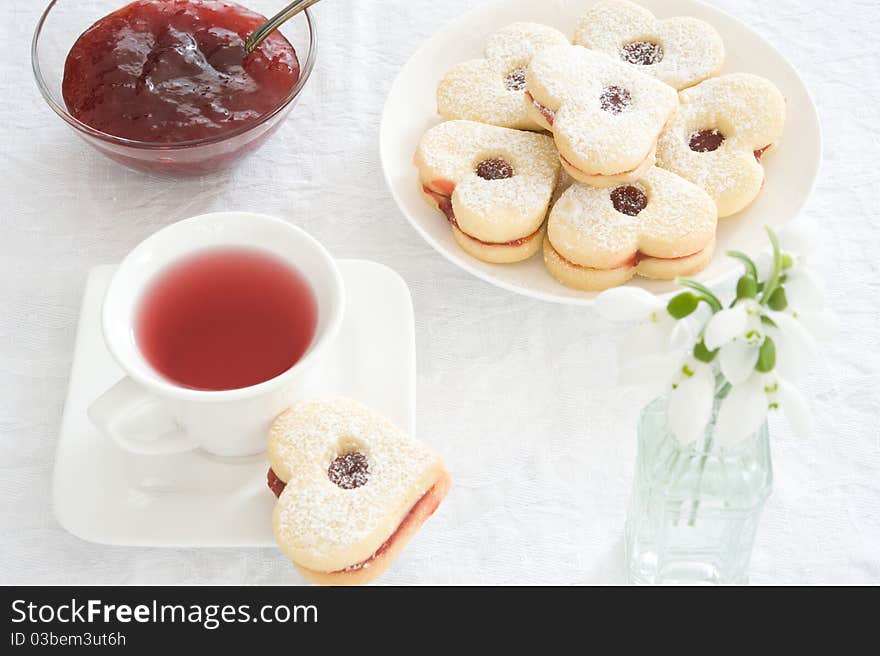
x: 260, y: 34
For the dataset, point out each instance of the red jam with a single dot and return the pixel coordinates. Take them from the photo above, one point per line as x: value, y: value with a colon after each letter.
x: 166, y: 71
x: 444, y: 204
x: 494, y: 169
x: 629, y: 200
x: 615, y: 99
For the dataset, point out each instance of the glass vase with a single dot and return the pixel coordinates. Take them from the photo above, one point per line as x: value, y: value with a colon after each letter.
x: 694, y: 509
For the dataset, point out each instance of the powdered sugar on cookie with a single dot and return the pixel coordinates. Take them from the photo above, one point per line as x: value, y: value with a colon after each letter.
x: 351, y: 478
x: 680, y: 51
x: 490, y: 90
x: 725, y: 126
x: 606, y: 115
x: 620, y: 230
x: 498, y: 181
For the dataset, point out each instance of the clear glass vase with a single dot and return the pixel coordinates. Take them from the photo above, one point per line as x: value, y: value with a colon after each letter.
x: 694, y: 509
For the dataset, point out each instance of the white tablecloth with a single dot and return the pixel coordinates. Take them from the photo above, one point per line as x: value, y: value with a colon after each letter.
x: 514, y: 392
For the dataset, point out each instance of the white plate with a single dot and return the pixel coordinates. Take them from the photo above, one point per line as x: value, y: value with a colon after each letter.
x: 411, y: 109
x: 103, y: 494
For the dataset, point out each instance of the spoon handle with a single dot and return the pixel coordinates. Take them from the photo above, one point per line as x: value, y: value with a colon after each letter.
x: 259, y: 35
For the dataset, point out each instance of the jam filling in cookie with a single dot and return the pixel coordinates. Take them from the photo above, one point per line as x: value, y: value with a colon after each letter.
x: 421, y: 510
x: 548, y: 114
x: 444, y: 204
x: 595, y: 175
x: 642, y: 53
x: 631, y: 262
x: 629, y: 200
x: 615, y: 99
x: 349, y: 471
x: 515, y: 80
x: 705, y: 141
x: 760, y: 152
x: 494, y: 169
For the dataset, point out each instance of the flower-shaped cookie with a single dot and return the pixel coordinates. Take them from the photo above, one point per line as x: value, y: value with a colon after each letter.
x: 352, y: 489
x: 659, y: 227
x: 494, y: 185
x: 490, y: 90
x: 604, y: 114
x: 724, y: 127
x: 680, y: 51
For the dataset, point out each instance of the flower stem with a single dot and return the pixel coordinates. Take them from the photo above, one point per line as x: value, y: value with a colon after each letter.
x: 722, y: 388
x: 773, y: 281
x: 696, y: 505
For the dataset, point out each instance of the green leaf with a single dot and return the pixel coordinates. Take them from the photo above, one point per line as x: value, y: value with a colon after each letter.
x: 786, y: 261
x: 683, y: 305
x: 703, y: 354
x: 705, y: 293
x: 778, y: 301
x: 746, y: 287
x: 751, y: 269
x: 766, y: 356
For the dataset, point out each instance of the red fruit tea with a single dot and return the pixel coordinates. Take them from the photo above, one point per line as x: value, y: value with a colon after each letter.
x: 226, y: 318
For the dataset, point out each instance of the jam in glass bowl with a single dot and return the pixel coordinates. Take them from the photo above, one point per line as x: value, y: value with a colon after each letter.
x: 162, y: 85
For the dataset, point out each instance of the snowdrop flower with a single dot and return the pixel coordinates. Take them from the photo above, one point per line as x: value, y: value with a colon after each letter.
x: 745, y: 408
x: 737, y: 333
x: 746, y: 357
x: 691, y: 401
x: 652, y: 350
x: 804, y: 291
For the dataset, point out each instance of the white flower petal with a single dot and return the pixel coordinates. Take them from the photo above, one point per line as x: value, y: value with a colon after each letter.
x: 804, y: 291
x: 742, y: 412
x: 795, y: 347
x: 681, y: 337
x: 724, y: 326
x: 796, y: 409
x: 791, y: 362
x: 690, y: 404
x: 737, y: 360
x: 627, y: 304
x: 644, y: 339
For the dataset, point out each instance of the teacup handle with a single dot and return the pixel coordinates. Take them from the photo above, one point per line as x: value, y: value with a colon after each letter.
x: 138, y: 421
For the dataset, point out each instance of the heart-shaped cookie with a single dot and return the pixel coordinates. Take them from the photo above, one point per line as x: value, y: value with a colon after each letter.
x: 490, y: 90
x: 493, y: 184
x: 605, y: 115
x: 659, y: 227
x: 725, y: 126
x: 352, y: 489
x: 680, y: 51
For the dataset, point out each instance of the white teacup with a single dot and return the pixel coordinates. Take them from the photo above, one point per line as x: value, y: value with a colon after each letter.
x: 147, y: 414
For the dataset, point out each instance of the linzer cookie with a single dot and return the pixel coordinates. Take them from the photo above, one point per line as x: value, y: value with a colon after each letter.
x: 490, y: 90
x: 352, y: 489
x: 659, y: 227
x: 725, y: 126
x: 493, y: 184
x: 605, y: 115
x: 680, y: 51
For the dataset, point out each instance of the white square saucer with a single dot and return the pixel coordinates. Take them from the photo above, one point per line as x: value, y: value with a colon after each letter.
x: 104, y: 494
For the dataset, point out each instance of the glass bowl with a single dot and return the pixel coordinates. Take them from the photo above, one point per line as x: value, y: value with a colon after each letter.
x: 64, y: 21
